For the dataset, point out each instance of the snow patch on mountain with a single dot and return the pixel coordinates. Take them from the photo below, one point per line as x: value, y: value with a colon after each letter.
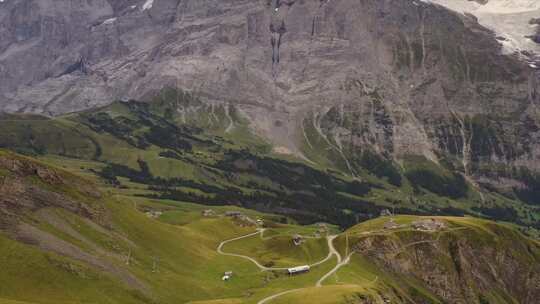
x: 491, y: 7
x: 148, y: 5
x: 510, y: 6
x: 509, y: 19
x: 109, y: 21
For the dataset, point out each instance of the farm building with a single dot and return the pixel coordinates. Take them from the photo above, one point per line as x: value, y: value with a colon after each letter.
x: 298, y: 270
x: 233, y: 213
x: 297, y: 239
x: 227, y: 276
x: 386, y: 212
x: 208, y: 213
x: 322, y: 228
x: 153, y: 214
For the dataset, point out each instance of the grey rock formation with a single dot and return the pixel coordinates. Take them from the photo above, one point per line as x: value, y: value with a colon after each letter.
x: 397, y: 76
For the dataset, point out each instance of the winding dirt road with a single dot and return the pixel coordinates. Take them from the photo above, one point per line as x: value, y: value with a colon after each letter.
x: 334, y: 270
x: 277, y: 295
x: 331, y: 252
x: 340, y: 262
x: 261, y: 267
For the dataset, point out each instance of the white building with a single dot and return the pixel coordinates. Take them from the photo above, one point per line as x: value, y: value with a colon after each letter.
x: 227, y: 276
x: 298, y: 269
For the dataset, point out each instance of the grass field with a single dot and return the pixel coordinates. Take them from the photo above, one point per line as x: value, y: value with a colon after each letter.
x: 173, y: 256
x: 29, y: 274
x: 330, y: 294
x: 5, y: 301
x: 183, y: 242
x: 280, y: 251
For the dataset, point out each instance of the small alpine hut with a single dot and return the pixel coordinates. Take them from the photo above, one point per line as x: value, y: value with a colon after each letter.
x: 297, y: 239
x: 208, y: 213
x: 227, y: 276
x: 235, y: 214
x: 298, y: 270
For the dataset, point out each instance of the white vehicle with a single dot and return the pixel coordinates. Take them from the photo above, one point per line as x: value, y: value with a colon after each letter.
x: 299, y: 269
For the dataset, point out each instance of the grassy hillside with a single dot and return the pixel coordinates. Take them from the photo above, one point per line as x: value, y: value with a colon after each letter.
x: 178, y: 148
x: 332, y: 294
x: 107, y: 206
x: 5, y: 301
x: 67, y: 238
x: 453, y: 263
x: 124, y: 255
x: 280, y: 251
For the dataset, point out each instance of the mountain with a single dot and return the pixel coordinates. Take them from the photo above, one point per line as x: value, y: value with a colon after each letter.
x: 325, y: 81
x: 188, y: 151
x: 65, y: 236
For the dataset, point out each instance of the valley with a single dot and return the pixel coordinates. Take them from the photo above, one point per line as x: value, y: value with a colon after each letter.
x: 269, y: 151
x: 149, y: 150
x: 108, y: 238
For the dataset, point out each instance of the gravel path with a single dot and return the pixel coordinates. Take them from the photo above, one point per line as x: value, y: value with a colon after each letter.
x: 331, y: 252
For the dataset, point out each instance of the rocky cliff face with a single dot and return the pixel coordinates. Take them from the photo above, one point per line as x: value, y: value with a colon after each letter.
x: 397, y: 77
x: 478, y: 262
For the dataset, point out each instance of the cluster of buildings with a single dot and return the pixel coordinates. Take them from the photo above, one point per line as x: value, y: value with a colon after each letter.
x: 237, y: 215
x: 421, y: 225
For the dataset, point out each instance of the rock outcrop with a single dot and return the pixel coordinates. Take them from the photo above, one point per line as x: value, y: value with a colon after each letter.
x: 27, y: 186
x: 460, y: 264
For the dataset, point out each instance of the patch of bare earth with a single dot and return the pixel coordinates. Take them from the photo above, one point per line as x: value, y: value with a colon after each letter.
x: 49, y: 242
